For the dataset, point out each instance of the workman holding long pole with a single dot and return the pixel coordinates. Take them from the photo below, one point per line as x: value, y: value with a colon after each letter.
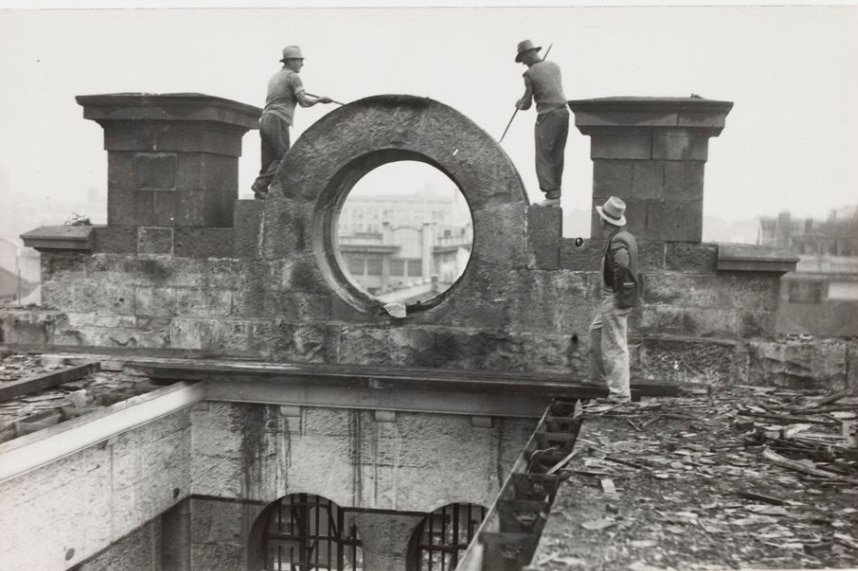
x: 543, y: 83
x: 285, y: 90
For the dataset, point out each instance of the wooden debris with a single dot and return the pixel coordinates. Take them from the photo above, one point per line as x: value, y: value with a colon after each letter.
x: 779, y: 460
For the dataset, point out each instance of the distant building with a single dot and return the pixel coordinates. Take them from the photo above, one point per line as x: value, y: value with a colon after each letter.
x: 404, y: 247
x: 821, y: 296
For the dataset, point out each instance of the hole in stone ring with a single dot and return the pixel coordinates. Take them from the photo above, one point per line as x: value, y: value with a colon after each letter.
x: 398, y: 230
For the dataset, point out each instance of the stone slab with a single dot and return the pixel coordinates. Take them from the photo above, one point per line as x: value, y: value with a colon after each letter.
x: 62, y: 238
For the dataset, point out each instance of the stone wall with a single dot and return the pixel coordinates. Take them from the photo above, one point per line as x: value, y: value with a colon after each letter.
x: 63, y: 513
x: 246, y: 456
x: 263, y: 282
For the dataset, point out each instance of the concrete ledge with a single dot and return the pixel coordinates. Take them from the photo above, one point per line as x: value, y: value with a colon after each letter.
x: 752, y: 258
x: 39, y: 448
x: 67, y: 238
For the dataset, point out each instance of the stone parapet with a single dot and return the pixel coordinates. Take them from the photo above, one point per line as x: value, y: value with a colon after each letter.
x: 172, y: 158
x: 756, y: 259
x: 651, y: 152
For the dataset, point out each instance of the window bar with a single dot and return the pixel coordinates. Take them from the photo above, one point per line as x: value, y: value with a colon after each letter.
x: 340, y: 547
x: 454, y: 556
x: 354, y: 544
x: 300, y: 516
x: 316, y: 510
x: 330, y: 535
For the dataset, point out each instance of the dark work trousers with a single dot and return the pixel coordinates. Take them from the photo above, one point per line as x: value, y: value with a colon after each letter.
x: 550, y: 134
x: 274, y: 133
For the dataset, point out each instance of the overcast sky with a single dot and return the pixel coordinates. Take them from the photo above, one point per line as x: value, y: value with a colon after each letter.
x: 790, y: 142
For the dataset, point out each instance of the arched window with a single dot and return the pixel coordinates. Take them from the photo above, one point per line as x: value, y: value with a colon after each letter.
x: 304, y: 532
x: 443, y: 536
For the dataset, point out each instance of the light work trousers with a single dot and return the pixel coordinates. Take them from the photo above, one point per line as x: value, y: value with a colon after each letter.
x: 274, y: 133
x: 609, y: 348
x: 550, y: 133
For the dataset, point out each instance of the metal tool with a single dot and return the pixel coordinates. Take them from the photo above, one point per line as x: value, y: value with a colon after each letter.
x: 332, y: 100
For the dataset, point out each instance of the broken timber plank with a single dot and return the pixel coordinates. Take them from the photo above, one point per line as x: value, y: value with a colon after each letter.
x: 779, y: 460
x: 44, y: 381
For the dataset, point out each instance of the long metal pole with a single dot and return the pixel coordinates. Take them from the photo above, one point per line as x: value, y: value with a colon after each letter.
x: 516, y: 109
x: 332, y: 100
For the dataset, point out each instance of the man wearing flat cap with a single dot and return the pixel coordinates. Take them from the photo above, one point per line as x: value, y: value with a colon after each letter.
x: 609, y: 349
x: 285, y: 90
x: 543, y: 84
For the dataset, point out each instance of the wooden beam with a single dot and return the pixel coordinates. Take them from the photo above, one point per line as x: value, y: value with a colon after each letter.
x: 44, y: 381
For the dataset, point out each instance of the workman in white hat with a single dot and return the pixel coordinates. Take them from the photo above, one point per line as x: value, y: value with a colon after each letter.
x: 285, y: 90
x: 543, y: 83
x: 609, y: 349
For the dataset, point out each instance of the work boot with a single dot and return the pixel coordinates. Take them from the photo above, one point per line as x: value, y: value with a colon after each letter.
x: 549, y: 203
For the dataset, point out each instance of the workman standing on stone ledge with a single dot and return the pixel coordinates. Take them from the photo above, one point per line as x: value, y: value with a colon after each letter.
x: 543, y: 83
x: 609, y: 347
x: 285, y: 90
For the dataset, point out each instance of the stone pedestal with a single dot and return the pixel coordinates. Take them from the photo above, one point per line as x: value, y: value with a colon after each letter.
x: 172, y: 158
x: 650, y: 152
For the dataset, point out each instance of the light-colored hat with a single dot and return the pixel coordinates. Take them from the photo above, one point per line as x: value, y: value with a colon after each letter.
x: 525, y: 46
x: 291, y: 52
x: 613, y: 211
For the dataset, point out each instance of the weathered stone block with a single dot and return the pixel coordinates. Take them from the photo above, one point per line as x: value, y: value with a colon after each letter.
x: 281, y: 340
x: 155, y: 301
x: 204, y: 208
x: 229, y: 273
x: 648, y: 180
x: 690, y: 257
x: 247, y: 219
x: 755, y: 259
x: 702, y: 290
x: 506, y: 220
x: 203, y: 302
x: 154, y: 240
x: 163, y: 270
x: 94, y: 296
x: 651, y: 255
x: 120, y: 207
x: 586, y: 257
x: 683, y: 181
x: 207, y: 171
x: 165, y: 208
x: 155, y: 171
x: 655, y: 319
x: 121, y: 177
x: 675, y: 221
x: 116, y: 239
x: 626, y: 143
x: 612, y: 177
x: 62, y: 266
x: 807, y: 365
x: 203, y: 242
x: 544, y: 231
x: 142, y: 203
x: 676, y: 360
x: 58, y: 294
x: 679, y: 145
x: 60, y: 238
x: 28, y: 326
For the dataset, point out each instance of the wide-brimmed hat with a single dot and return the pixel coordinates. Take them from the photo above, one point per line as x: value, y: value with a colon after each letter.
x: 613, y: 211
x: 291, y: 52
x: 525, y: 46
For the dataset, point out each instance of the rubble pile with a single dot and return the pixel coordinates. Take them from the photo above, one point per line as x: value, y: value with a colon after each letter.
x: 747, y: 478
x: 29, y: 413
